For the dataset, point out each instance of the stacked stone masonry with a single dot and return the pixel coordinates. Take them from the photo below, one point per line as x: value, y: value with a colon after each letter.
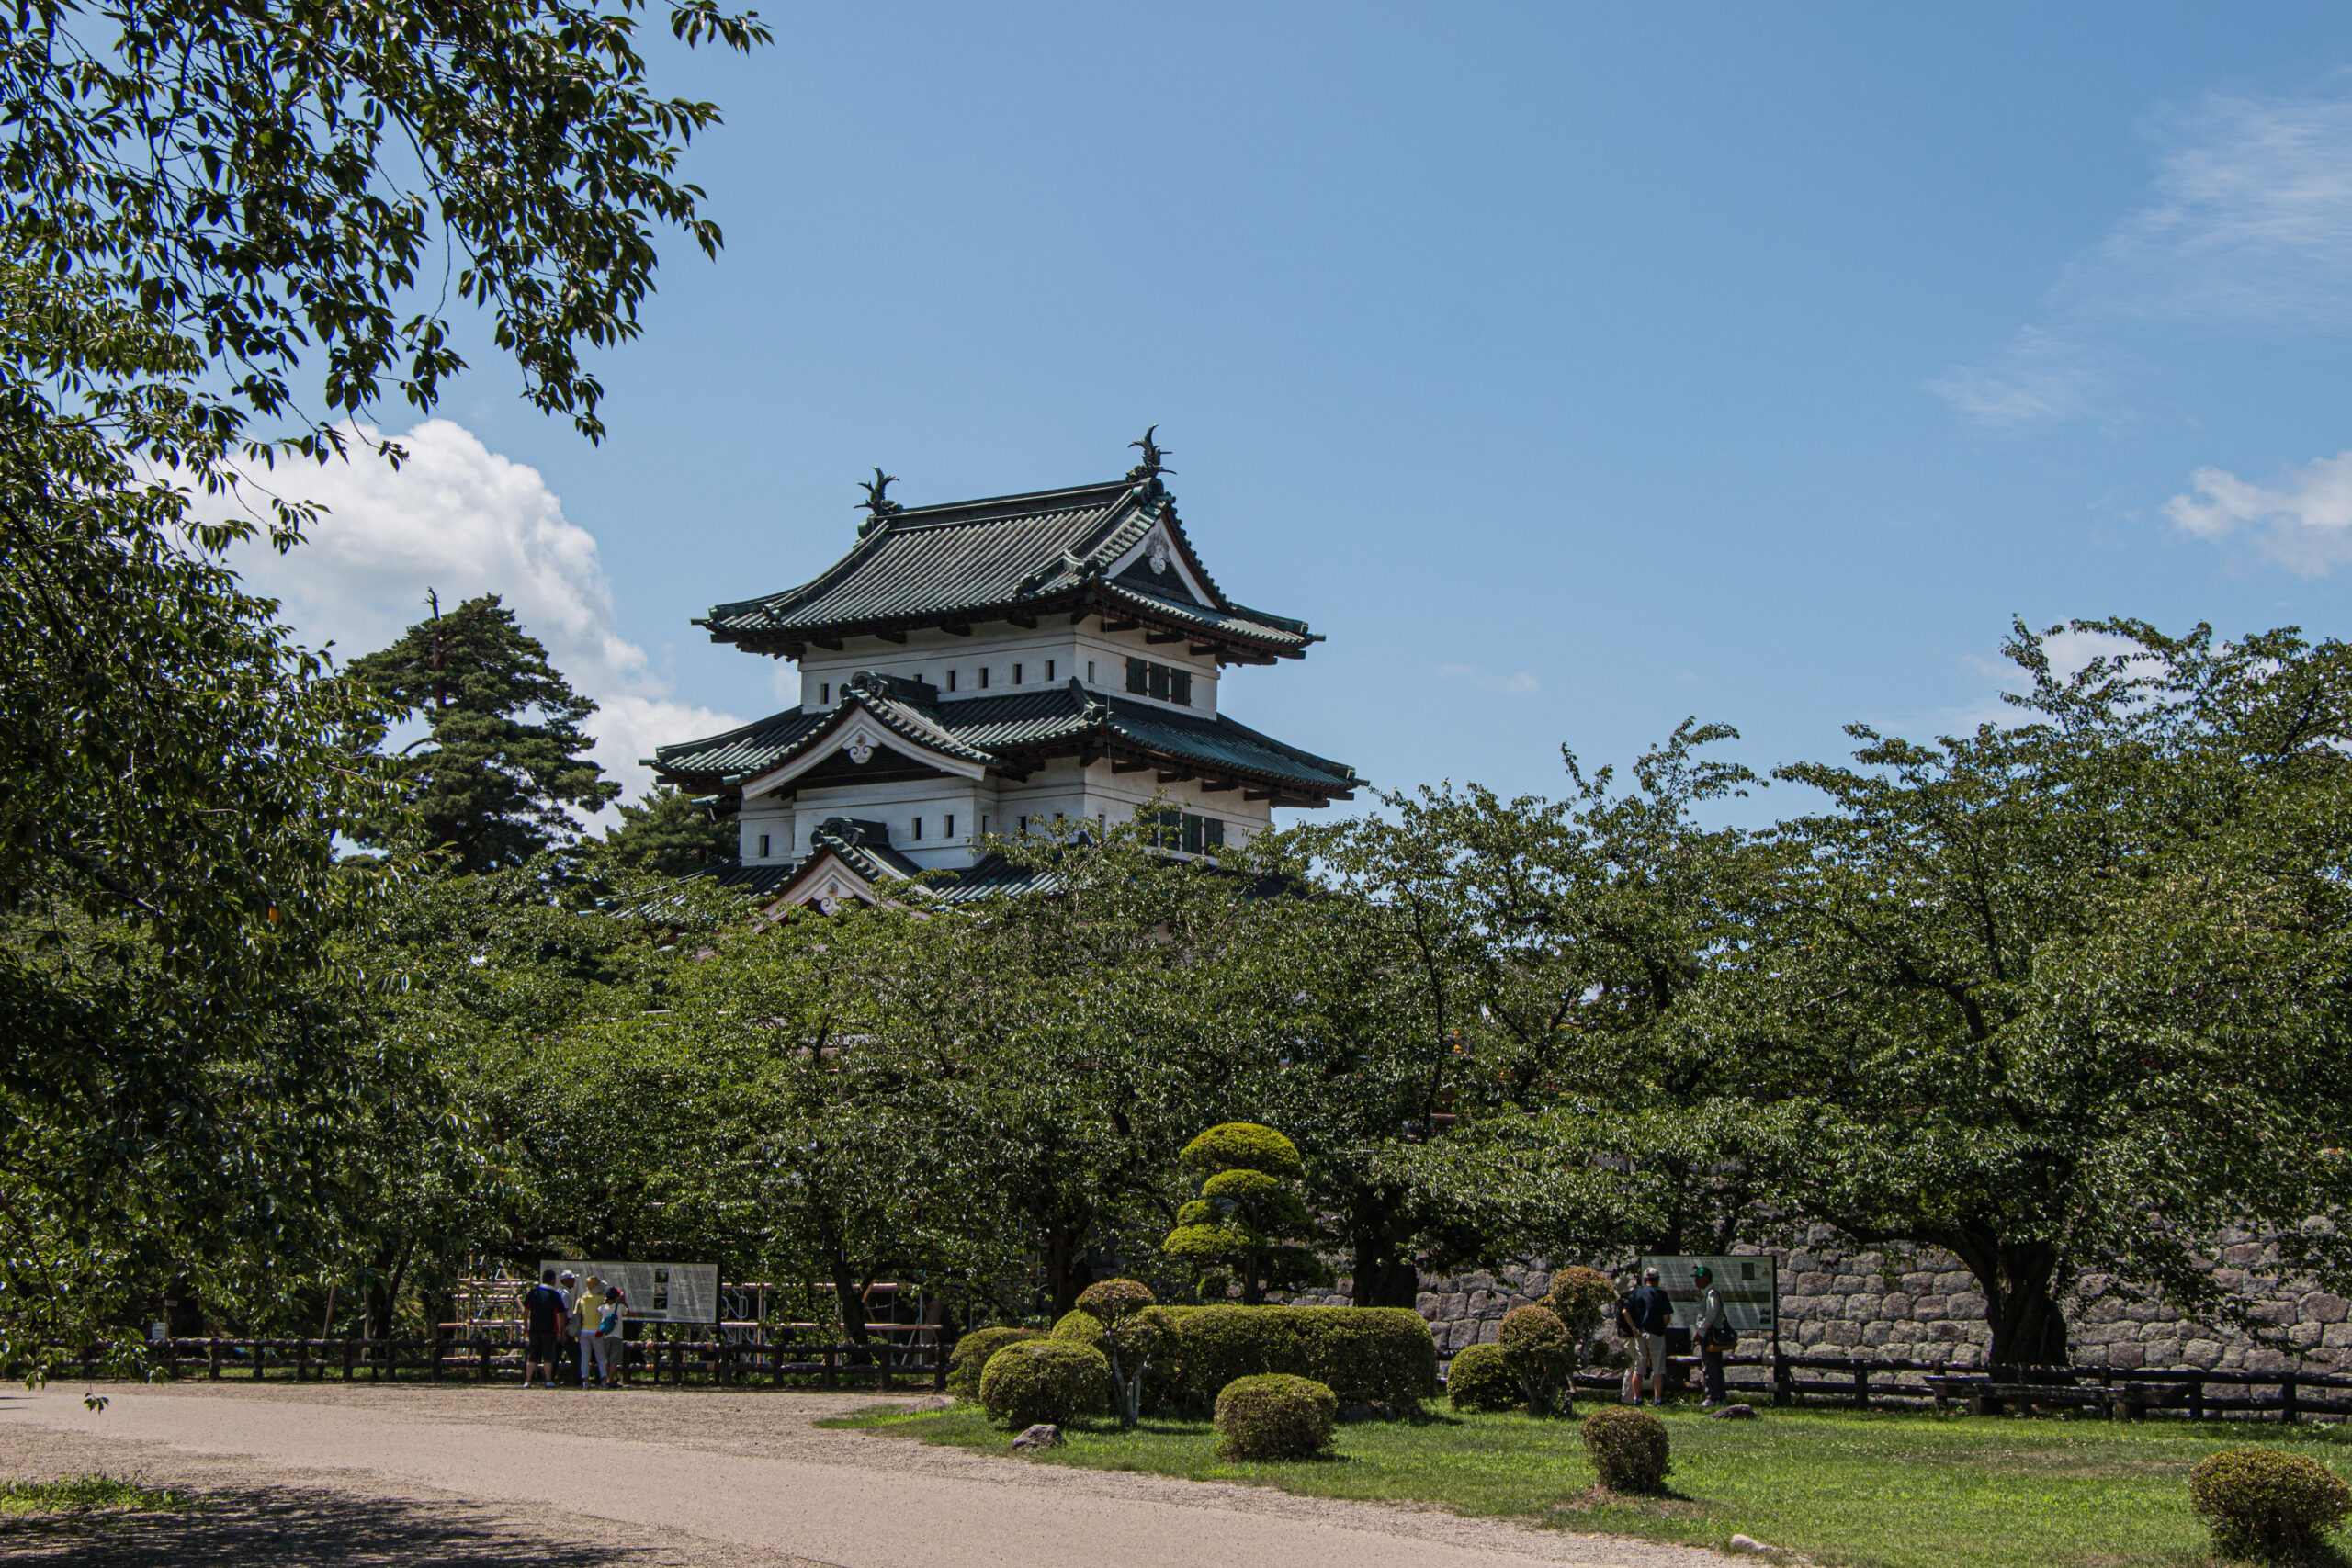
x: 1924, y: 1306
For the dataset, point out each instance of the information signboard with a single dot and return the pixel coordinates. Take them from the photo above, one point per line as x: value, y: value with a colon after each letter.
x: 655, y: 1292
x: 1750, y: 1288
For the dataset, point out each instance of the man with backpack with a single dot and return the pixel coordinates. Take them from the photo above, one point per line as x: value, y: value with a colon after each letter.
x: 1652, y: 1312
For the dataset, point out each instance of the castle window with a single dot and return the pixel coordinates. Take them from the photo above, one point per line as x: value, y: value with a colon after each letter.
x: 825, y: 694
x: 1049, y: 671
x: 1024, y: 824
x: 951, y: 680
x: 918, y: 830
x: 1090, y: 672
x: 1137, y: 676
x: 984, y: 825
x: 1158, y: 674
x: 1180, y: 687
x: 763, y: 846
x: 950, y: 831
x: 1016, y: 676
x: 984, y: 677
x: 1170, y: 685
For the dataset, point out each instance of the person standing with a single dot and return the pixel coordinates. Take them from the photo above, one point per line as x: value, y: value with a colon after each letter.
x: 1652, y: 1311
x: 543, y: 1309
x: 586, y: 1302
x: 608, y: 1331
x: 1713, y: 1333
x: 1629, y: 1392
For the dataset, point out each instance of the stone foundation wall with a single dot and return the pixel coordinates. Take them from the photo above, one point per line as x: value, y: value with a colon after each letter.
x: 1923, y: 1306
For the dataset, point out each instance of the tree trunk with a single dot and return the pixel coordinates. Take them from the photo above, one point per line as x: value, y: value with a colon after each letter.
x: 1381, y: 1277
x: 1067, y: 1269
x: 2020, y: 1283
x: 848, y: 1295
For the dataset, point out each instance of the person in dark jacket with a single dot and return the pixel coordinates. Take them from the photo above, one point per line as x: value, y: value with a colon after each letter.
x: 543, y: 1308
x: 1652, y: 1311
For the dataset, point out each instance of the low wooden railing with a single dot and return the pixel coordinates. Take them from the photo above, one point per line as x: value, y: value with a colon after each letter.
x: 1866, y: 1382
x: 720, y: 1361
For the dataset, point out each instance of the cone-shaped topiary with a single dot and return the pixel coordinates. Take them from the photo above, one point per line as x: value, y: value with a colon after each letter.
x: 1479, y: 1381
x: 1629, y: 1450
x: 1540, y: 1353
x: 970, y: 1357
x: 1274, y: 1416
x: 1044, y: 1380
x: 2264, y: 1504
x: 1249, y: 1218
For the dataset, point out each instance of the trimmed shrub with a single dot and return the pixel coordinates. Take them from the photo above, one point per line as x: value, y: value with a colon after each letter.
x: 1274, y: 1416
x: 1243, y: 1145
x: 2264, y: 1504
x: 1044, y: 1380
x: 1364, y: 1355
x: 1478, y: 1380
x: 1628, y: 1448
x: 1584, y: 1298
x: 1540, y: 1353
x: 970, y: 1357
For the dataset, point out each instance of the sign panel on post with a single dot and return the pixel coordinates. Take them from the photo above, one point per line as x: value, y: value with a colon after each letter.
x: 656, y: 1293
x: 1750, y: 1288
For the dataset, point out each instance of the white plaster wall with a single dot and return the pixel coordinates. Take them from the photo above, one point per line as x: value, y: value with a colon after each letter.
x: 998, y: 646
x: 895, y: 807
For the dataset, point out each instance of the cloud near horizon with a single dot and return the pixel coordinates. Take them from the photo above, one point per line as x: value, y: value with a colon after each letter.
x: 1518, y: 683
x: 460, y: 519
x: 2304, y: 522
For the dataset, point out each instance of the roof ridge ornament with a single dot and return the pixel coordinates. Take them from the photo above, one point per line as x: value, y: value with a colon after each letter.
x: 877, y: 502
x: 1147, y: 471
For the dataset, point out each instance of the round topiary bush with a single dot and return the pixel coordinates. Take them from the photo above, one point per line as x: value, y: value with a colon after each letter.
x: 970, y: 1357
x: 1044, y: 1380
x: 2264, y: 1504
x: 1274, y: 1416
x: 1243, y: 1145
x: 1584, y: 1298
x: 1628, y: 1448
x: 1540, y: 1353
x: 1479, y: 1381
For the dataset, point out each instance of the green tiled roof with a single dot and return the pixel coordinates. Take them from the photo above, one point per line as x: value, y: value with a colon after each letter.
x: 1005, y: 556
x: 1012, y: 733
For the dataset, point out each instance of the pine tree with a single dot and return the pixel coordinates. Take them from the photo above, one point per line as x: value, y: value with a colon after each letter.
x: 503, y: 755
x: 670, y: 834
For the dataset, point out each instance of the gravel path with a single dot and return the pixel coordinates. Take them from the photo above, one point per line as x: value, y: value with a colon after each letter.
x: 663, y: 1479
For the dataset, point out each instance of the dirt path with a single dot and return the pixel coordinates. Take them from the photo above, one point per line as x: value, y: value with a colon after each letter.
x: 486, y: 1478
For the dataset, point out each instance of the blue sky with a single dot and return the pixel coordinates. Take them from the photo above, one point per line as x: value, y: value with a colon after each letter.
x: 1572, y: 371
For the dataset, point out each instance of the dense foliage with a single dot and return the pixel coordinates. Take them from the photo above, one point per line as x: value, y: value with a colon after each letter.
x: 1630, y: 1449
x: 2269, y: 1506
x: 1274, y: 1416
x: 1477, y: 1379
x: 1045, y: 1381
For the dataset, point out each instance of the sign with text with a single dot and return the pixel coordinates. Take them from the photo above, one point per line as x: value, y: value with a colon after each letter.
x: 1750, y: 1288
x: 655, y: 1292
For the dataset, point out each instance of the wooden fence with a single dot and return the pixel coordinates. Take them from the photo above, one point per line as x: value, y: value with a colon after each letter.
x: 719, y: 1362
x: 1865, y: 1383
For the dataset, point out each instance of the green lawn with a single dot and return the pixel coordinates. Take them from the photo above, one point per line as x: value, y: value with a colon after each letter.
x: 84, y: 1494
x: 1868, y: 1491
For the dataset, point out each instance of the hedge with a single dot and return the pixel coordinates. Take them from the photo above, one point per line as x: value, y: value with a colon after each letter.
x: 1274, y: 1416
x: 1364, y: 1355
x: 2268, y: 1505
x: 1045, y: 1381
x: 1479, y: 1381
x: 970, y: 1357
x: 1630, y: 1449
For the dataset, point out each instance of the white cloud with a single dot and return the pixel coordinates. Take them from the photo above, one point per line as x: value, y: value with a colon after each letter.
x: 2250, y: 221
x: 2038, y: 378
x: 2304, y: 522
x: 458, y: 518
x: 1518, y: 683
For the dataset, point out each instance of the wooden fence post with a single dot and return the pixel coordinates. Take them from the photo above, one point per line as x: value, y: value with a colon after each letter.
x: 775, y: 1362
x: 832, y: 1378
x: 350, y: 1348
x: 213, y: 1349
x: 2197, y: 1400
x: 301, y: 1359
x: 1781, y: 1393
x: 2287, y: 1404
x: 438, y: 1343
x: 1861, y: 1383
